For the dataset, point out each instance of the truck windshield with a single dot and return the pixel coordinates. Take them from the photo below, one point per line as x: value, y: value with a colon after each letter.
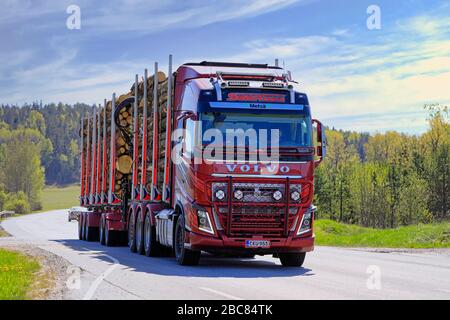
x: 294, y: 129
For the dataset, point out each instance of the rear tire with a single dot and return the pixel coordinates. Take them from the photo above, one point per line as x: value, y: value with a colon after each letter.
x: 292, y: 259
x: 184, y: 256
x: 80, y: 227
x: 101, y: 230
x: 110, y: 237
x: 84, y: 226
x: 139, y: 235
x: 132, y: 232
x: 151, y: 247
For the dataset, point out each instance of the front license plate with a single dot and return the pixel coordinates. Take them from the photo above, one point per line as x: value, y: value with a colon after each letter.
x: 257, y: 244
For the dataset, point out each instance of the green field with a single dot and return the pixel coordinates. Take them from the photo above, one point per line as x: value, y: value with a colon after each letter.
x: 60, y: 198
x: 331, y: 233
x: 17, y: 273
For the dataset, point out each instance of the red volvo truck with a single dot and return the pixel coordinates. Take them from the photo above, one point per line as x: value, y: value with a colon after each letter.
x: 180, y: 199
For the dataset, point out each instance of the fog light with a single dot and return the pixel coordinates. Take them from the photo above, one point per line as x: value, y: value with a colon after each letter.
x: 238, y: 194
x: 295, y: 195
x: 220, y: 194
x: 305, y: 224
x: 204, y: 223
x: 277, y: 195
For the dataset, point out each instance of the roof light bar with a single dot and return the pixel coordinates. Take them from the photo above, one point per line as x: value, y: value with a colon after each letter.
x: 273, y: 85
x: 238, y: 83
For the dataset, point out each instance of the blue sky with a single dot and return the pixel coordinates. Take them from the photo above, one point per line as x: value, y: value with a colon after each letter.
x: 359, y: 79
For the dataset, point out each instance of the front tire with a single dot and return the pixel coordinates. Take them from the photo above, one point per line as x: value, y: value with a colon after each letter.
x: 292, y: 259
x: 184, y: 256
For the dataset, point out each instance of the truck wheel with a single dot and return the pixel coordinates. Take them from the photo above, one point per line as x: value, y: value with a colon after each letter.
x: 84, y: 227
x: 151, y: 247
x: 80, y: 227
x: 101, y: 230
x: 184, y: 256
x: 139, y: 236
x: 110, y: 237
x: 292, y: 259
x: 132, y: 233
x: 88, y: 233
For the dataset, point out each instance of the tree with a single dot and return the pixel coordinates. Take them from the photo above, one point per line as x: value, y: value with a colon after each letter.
x: 436, y: 147
x: 21, y: 166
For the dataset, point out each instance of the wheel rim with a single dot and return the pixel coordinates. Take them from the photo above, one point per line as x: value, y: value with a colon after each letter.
x: 147, y: 233
x: 138, y: 231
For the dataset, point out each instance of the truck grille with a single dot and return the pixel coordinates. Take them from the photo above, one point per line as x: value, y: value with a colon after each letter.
x: 258, y: 209
x: 256, y: 220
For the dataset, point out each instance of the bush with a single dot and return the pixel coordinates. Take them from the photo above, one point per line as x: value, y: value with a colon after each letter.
x: 17, y: 202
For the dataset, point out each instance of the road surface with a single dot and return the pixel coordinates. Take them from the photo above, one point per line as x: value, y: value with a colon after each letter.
x: 101, y: 272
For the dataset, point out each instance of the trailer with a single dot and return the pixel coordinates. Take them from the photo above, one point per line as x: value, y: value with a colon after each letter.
x: 162, y: 173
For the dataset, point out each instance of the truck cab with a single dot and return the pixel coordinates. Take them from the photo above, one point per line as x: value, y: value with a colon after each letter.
x: 243, y: 162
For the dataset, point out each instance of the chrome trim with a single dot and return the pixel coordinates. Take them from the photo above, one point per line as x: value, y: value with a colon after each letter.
x: 225, y: 175
x: 253, y: 161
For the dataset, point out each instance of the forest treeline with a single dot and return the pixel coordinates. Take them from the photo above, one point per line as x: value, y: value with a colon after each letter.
x: 389, y: 179
x: 382, y: 180
x: 38, y: 146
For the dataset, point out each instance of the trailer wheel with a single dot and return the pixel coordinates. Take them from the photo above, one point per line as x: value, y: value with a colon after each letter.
x: 132, y: 232
x: 80, y: 227
x: 101, y: 230
x: 110, y: 237
x: 292, y: 259
x: 84, y: 227
x: 151, y: 247
x: 183, y: 255
x: 139, y: 235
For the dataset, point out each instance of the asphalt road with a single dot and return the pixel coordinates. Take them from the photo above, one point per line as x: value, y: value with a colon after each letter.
x: 100, y: 272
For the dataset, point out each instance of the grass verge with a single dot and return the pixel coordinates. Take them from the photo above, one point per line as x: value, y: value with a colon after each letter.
x: 17, y: 274
x: 54, y: 198
x: 332, y: 233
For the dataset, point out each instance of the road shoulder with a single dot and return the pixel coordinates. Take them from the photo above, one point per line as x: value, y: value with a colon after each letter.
x: 50, y: 281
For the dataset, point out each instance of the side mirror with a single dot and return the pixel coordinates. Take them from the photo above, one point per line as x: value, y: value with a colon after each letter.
x: 322, y: 141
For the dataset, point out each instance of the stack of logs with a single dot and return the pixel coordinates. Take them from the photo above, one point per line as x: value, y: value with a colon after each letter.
x: 124, y: 134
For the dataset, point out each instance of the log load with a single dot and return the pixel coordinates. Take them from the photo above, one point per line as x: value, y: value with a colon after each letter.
x: 124, y: 119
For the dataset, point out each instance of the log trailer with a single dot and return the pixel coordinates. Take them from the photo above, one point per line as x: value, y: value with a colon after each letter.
x: 138, y: 195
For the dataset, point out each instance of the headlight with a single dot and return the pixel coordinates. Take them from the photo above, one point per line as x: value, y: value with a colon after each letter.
x: 277, y: 195
x: 204, y: 223
x: 238, y: 194
x: 295, y: 195
x: 219, y: 191
x: 220, y: 194
x: 305, y: 224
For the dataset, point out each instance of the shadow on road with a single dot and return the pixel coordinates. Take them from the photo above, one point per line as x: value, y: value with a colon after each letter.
x: 210, y: 266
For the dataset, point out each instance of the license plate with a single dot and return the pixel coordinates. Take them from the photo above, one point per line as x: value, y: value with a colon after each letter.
x: 257, y: 244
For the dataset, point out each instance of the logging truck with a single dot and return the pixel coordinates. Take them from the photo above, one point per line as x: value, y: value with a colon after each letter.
x: 214, y: 158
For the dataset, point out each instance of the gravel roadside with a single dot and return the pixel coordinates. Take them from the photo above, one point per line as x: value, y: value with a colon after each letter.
x: 50, y: 283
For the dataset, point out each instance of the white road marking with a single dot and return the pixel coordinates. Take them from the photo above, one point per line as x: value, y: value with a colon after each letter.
x: 101, y: 277
x: 223, y: 294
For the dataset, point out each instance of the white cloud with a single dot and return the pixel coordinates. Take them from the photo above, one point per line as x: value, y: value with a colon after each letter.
x: 391, y: 73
